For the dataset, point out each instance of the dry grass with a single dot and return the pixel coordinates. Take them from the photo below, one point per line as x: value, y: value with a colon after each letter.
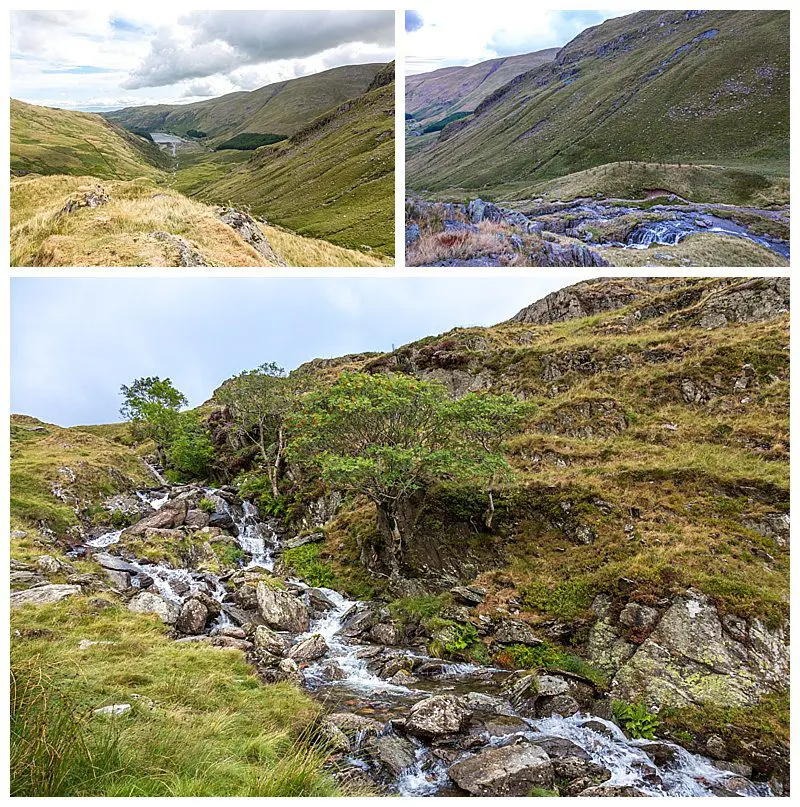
x: 298, y: 250
x: 489, y: 240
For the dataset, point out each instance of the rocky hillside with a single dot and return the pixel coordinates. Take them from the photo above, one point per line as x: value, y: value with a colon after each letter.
x: 281, y: 108
x: 636, y: 567
x: 435, y: 95
x: 55, y: 141
x: 663, y: 87
x: 334, y: 178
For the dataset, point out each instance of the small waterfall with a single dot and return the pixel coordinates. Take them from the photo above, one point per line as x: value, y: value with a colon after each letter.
x: 425, y: 777
x: 106, y: 539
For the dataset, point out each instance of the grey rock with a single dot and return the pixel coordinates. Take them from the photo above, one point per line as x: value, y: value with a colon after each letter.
x: 171, y: 515
x: 149, y: 603
x: 192, y: 617
x: 311, y: 649
x: 280, y: 610
x: 248, y: 230
x: 512, y: 770
x: 387, y: 633
x: 636, y: 615
x: 515, y: 631
x: 266, y: 639
x: 393, y: 752
x: 437, y: 716
x: 468, y: 595
x: 43, y: 595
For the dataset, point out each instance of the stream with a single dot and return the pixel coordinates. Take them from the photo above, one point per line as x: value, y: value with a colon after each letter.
x: 345, y: 679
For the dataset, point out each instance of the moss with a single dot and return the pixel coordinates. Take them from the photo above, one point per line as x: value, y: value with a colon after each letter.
x: 548, y: 657
x: 307, y: 563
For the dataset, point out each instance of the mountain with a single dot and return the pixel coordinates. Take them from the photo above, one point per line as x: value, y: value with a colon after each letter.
x: 56, y: 141
x: 281, y: 108
x: 660, y: 87
x: 636, y: 567
x: 333, y: 179
x: 435, y: 95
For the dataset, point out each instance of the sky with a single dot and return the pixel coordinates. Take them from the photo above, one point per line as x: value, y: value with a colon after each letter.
x: 97, y: 61
x: 75, y: 341
x: 436, y: 37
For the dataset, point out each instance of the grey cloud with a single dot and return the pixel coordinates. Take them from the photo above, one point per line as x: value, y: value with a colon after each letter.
x: 222, y: 41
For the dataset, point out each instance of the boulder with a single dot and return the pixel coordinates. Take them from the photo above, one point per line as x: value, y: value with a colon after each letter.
x: 388, y: 633
x: 311, y: 649
x: 468, y: 595
x: 393, y: 752
x: 192, y: 617
x: 512, y: 770
x: 47, y: 564
x: 515, y: 631
x: 639, y: 617
x: 197, y: 519
x: 332, y: 737
x: 356, y: 727
x: 359, y: 620
x: 43, y: 595
x: 561, y: 705
x: 171, y: 515
x: 149, y: 603
x: 27, y: 579
x: 119, y: 581
x: 266, y: 639
x: 627, y: 791
x: 280, y: 610
x: 438, y: 716
x: 319, y: 600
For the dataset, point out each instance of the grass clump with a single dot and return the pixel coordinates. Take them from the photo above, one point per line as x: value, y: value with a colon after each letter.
x: 207, y: 505
x: 549, y: 657
x: 567, y: 600
x: 308, y: 564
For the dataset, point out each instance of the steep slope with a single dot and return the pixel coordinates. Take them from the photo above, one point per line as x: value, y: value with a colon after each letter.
x: 434, y: 95
x: 661, y: 87
x: 56, y: 141
x: 280, y: 108
x: 333, y: 179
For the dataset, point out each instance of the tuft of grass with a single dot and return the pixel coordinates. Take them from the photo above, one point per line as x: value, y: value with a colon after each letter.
x: 549, y: 657
x: 307, y: 563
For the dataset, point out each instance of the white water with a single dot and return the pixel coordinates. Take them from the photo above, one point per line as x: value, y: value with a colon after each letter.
x: 106, y: 539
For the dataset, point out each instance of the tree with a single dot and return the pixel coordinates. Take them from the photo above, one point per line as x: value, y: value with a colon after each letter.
x: 153, y: 406
x: 190, y: 450
x: 259, y: 401
x: 389, y: 437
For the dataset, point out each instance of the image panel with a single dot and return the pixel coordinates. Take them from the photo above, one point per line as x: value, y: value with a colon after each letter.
x: 500, y: 537
x: 596, y: 138
x: 207, y: 138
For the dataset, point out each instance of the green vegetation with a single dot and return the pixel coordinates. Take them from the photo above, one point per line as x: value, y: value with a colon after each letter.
x: 415, y: 610
x: 549, y: 658
x: 567, y: 600
x: 55, y: 141
x: 201, y: 724
x: 196, y: 133
x: 207, y: 505
x: 250, y: 141
x: 438, y: 125
x: 306, y: 562
x: 718, y: 103
x: 635, y: 720
x: 451, y: 638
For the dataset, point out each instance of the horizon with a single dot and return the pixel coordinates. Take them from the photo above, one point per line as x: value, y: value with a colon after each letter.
x: 118, y: 329
x: 436, y: 40
x: 98, y: 61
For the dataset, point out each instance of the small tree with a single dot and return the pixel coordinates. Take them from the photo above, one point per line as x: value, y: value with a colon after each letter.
x: 390, y: 436
x: 259, y: 401
x: 152, y: 405
x: 190, y: 450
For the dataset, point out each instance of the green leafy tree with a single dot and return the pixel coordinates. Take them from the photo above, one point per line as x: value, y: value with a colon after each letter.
x: 153, y: 405
x: 388, y: 437
x: 259, y: 401
x: 190, y: 450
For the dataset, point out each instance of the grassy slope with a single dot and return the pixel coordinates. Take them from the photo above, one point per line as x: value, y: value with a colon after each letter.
x: 432, y: 96
x: 280, y: 108
x: 722, y: 101
x: 55, y: 141
x: 334, y: 180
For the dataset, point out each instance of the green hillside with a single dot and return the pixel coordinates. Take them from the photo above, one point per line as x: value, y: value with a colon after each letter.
x: 333, y: 179
x: 435, y: 95
x: 280, y: 108
x: 56, y: 141
x: 662, y: 87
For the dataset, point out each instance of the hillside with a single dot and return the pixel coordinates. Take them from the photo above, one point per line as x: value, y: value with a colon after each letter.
x: 622, y: 606
x: 56, y: 141
x: 280, y: 108
x: 437, y: 94
x: 677, y: 88
x: 333, y: 179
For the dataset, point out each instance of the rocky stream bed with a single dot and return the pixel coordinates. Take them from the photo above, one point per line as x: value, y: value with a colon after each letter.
x: 397, y: 720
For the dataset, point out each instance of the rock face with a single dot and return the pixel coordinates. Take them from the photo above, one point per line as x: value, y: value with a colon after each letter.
x: 513, y: 770
x: 280, y: 610
x: 437, y: 716
x: 43, y: 595
x: 171, y: 515
x: 147, y: 603
x: 691, y: 657
x: 249, y: 231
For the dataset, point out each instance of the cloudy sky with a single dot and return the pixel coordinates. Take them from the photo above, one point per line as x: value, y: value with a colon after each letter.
x: 436, y: 37
x: 95, y: 61
x: 75, y: 341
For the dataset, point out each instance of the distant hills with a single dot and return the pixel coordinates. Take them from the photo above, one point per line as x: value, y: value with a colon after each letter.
x: 281, y: 108
x: 671, y: 87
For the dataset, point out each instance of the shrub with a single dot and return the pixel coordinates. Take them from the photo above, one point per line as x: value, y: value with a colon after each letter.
x: 635, y: 720
x: 451, y: 638
x: 207, y: 505
x: 566, y: 601
x: 306, y: 562
x: 248, y: 141
x: 438, y: 125
x: 547, y: 657
x: 195, y: 133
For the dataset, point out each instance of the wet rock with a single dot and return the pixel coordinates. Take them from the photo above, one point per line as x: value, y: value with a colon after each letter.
x: 319, y: 600
x: 332, y: 671
x: 357, y: 727
x: 561, y: 705
x: 512, y: 770
x: 468, y: 595
x: 430, y: 669
x: 612, y: 791
x: 739, y: 769
x: 280, y: 610
x: 397, y: 664
x: 499, y: 725
x: 149, y: 603
x: 481, y: 703
x: 192, y: 617
x: 197, y: 519
x: 393, y: 752
x: 362, y: 618
x: 387, y: 633
x: 716, y: 748
x: 311, y: 649
x: 222, y: 520
x: 437, y: 716
x: 515, y: 631
x: 43, y: 595
x: 403, y: 678
x: 662, y: 754
x: 332, y: 737
x: 265, y: 638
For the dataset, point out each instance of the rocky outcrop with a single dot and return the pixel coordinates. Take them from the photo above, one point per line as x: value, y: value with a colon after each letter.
x: 280, y: 610
x: 246, y: 227
x: 43, y: 595
x: 512, y: 770
x: 93, y: 198
x: 437, y: 716
x: 188, y: 254
x: 695, y: 656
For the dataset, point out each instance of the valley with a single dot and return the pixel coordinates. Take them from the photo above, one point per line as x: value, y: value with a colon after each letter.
x: 320, y: 182
x: 596, y: 507
x: 647, y: 119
